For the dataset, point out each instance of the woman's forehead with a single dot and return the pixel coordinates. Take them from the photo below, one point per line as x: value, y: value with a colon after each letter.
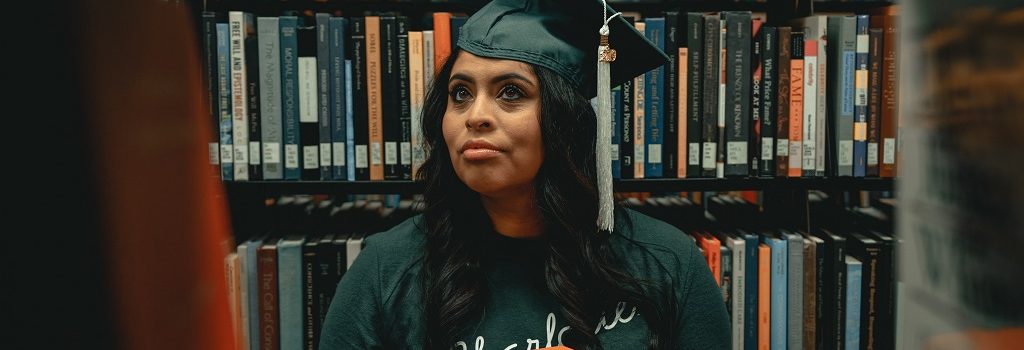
x: 482, y: 68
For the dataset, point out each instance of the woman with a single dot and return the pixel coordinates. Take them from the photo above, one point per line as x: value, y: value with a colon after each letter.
x: 508, y: 254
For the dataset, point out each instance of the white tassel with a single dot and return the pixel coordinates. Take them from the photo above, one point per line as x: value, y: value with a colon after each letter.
x: 605, y: 214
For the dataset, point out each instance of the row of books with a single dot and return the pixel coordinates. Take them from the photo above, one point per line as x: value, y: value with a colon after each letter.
x: 830, y: 288
x: 334, y: 98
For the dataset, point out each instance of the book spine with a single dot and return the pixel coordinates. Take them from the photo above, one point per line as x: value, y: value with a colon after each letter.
x: 654, y: 103
x: 211, y: 72
x: 350, y: 129
x: 860, y: 122
x: 626, y: 143
x: 890, y: 116
x: 739, y: 272
x: 810, y: 106
x: 750, y: 290
x: 782, y: 117
x: 682, y: 96
x: 270, y: 96
x: 849, y: 68
x: 323, y: 89
x: 428, y: 59
x: 227, y: 170
x: 853, y: 300
x: 809, y: 293
x: 404, y: 108
x: 821, y: 119
x: 245, y: 294
x: 289, y: 277
x: 390, y: 124
x: 442, y: 39
x: 639, y: 118
x: 239, y: 102
x: 796, y: 104
x: 769, y: 102
x: 252, y: 95
x: 709, y: 153
x: 360, y: 98
x: 416, y: 93
x: 779, y: 293
x: 252, y: 281
x: 670, y: 112
x: 764, y: 293
x: 309, y: 107
x: 695, y: 80
x: 374, y: 70
x: 269, y: 331
x: 339, y: 101
x: 310, y: 313
x: 723, y: 69
x: 326, y: 281
x: 738, y: 75
x: 756, y: 99
x: 616, y: 97
x: 874, y: 98
x: 795, y: 279
x: 290, y: 96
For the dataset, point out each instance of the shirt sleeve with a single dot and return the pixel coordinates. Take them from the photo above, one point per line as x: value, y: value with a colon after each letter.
x: 702, y: 318
x: 354, y: 318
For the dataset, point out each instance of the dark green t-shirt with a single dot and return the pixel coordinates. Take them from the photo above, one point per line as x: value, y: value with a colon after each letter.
x: 378, y: 304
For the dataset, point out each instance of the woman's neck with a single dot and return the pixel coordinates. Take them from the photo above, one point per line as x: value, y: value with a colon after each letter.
x: 515, y: 213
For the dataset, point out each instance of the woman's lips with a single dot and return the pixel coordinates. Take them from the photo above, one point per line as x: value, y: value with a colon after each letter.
x: 479, y: 153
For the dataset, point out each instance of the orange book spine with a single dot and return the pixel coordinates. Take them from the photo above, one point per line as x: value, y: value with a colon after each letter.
x: 373, y: 97
x: 442, y: 39
x: 764, y: 296
x: 713, y: 253
x: 796, y: 116
x: 682, y: 159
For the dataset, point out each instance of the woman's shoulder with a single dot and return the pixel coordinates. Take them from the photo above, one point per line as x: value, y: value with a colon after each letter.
x: 642, y: 238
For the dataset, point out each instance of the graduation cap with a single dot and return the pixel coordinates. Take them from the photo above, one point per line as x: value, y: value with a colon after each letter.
x: 583, y: 41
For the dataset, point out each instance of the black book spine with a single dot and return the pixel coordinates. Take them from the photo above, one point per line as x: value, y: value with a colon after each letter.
x: 695, y: 80
x: 737, y: 107
x: 885, y: 328
x: 626, y: 125
x: 210, y: 72
x: 326, y: 275
x: 709, y: 149
x: 252, y: 73
x: 311, y: 318
x: 323, y: 89
x: 405, y: 146
x: 360, y: 118
x: 390, y: 120
x: 769, y: 99
x: 782, y: 117
x: 309, y: 120
x: 670, y: 139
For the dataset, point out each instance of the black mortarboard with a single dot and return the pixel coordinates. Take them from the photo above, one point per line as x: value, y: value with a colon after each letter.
x: 561, y: 35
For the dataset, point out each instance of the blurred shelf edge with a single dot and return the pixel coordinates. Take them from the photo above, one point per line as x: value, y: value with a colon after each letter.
x: 236, y: 189
x: 350, y: 7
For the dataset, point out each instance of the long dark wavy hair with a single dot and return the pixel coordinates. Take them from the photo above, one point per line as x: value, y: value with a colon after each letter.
x: 580, y: 270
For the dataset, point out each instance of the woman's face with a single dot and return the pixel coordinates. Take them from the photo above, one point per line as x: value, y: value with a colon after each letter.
x: 492, y: 124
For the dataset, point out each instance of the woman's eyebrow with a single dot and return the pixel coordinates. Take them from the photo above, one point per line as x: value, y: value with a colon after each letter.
x: 506, y: 76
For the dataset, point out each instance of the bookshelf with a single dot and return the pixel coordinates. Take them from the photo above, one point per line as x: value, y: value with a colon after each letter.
x: 317, y: 207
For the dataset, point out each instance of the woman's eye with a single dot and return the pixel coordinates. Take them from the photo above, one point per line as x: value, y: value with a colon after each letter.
x: 511, y: 93
x: 459, y: 94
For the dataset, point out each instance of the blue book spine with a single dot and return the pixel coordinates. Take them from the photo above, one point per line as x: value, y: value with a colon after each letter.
x: 779, y: 308
x: 289, y: 280
x: 853, y: 290
x: 339, y: 171
x: 654, y: 101
x: 750, y: 293
x: 290, y: 96
x: 227, y: 169
x: 616, y: 132
x: 860, y: 122
x: 253, y: 302
x: 350, y: 135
